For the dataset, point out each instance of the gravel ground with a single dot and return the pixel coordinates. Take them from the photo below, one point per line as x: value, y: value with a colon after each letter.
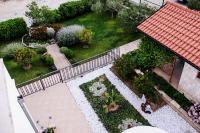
x: 164, y: 118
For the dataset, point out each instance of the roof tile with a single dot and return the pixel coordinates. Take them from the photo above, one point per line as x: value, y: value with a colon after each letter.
x: 178, y: 28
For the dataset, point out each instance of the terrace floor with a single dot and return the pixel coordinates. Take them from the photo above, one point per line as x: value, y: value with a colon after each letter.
x: 58, y: 103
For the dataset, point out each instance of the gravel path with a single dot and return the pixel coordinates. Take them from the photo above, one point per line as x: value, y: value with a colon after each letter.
x: 164, y: 118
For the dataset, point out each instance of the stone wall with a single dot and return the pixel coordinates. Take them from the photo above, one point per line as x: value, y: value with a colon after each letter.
x: 189, y: 83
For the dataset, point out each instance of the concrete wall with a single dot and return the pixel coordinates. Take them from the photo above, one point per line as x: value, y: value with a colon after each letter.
x: 189, y: 83
x: 12, y: 117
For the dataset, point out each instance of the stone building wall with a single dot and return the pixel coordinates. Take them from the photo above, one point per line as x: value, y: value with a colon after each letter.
x: 189, y: 83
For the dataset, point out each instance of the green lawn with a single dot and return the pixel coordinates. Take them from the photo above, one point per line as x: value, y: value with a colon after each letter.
x: 16, y: 71
x: 108, y: 34
x: 20, y: 75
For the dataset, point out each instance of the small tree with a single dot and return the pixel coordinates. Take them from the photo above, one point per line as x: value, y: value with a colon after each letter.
x: 194, y: 4
x: 150, y: 55
x: 24, y: 57
x: 41, y: 15
x: 85, y: 36
x: 114, y: 6
x: 98, y: 7
x: 131, y: 16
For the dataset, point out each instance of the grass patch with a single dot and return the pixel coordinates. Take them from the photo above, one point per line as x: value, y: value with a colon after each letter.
x: 108, y: 34
x: 20, y: 75
x: 111, y: 120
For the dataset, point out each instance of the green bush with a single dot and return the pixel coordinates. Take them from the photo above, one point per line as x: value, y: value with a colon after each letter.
x: 144, y: 85
x: 194, y: 4
x: 69, y: 35
x: 41, y: 50
x: 73, y: 9
x: 24, y: 57
x: 48, y: 60
x: 12, y: 29
x: 171, y: 92
x: 125, y: 65
x: 86, y: 36
x: 41, y: 15
x: 67, y: 52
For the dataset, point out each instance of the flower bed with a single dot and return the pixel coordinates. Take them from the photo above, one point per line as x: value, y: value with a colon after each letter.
x: 113, y: 121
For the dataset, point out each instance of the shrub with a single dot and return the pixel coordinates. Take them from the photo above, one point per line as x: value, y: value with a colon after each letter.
x: 133, y: 15
x: 194, y: 4
x: 50, y: 32
x: 85, y: 36
x: 73, y: 9
x: 12, y: 29
x: 38, y: 33
x: 67, y: 52
x: 144, y: 85
x: 150, y: 54
x: 41, y: 50
x: 24, y: 57
x: 41, y: 15
x: 48, y: 60
x: 125, y: 65
x: 56, y: 26
x: 69, y: 36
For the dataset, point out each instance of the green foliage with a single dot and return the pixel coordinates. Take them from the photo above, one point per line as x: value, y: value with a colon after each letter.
x: 111, y: 100
x: 12, y: 29
x: 69, y: 35
x: 41, y: 15
x: 111, y: 120
x: 114, y: 6
x: 171, y: 92
x: 98, y: 7
x: 194, y: 4
x: 151, y: 54
x: 41, y: 50
x: 74, y: 8
x: 133, y: 15
x: 67, y: 52
x: 24, y: 57
x: 48, y: 60
x: 125, y: 65
x: 85, y: 36
x: 145, y: 86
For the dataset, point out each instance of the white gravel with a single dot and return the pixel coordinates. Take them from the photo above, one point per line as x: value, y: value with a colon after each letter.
x: 164, y: 118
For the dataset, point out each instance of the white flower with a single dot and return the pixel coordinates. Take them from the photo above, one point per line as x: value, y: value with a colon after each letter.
x: 97, y: 89
x: 128, y: 123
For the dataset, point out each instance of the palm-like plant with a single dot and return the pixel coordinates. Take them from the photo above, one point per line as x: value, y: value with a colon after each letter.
x: 111, y: 101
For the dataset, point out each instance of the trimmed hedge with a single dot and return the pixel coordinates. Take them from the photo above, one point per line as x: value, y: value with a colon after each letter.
x: 73, y: 9
x: 172, y: 92
x: 12, y: 29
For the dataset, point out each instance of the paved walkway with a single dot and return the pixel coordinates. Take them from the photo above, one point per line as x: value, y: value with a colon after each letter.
x: 60, y: 60
x: 58, y: 103
x: 129, y: 47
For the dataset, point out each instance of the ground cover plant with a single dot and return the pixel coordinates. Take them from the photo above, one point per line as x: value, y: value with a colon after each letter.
x: 16, y: 71
x: 111, y: 120
x: 107, y: 34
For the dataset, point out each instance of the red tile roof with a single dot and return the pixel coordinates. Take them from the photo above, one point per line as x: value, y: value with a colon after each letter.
x: 177, y: 28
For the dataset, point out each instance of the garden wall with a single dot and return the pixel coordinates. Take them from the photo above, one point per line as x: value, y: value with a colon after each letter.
x: 189, y: 83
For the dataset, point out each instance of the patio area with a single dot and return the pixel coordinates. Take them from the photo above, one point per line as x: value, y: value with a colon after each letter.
x: 58, y: 103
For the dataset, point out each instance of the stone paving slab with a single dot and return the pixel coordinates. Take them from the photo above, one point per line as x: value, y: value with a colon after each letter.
x: 58, y: 103
x: 60, y: 60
